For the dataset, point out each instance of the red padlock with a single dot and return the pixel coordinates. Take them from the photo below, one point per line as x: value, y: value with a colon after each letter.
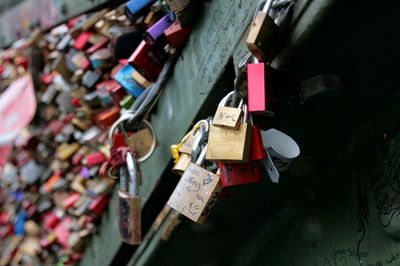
x: 63, y: 231
x: 98, y: 206
x: 95, y: 159
x: 176, y: 35
x: 102, y: 44
x: 107, y: 117
x: 83, y: 40
x: 261, y: 89
x: 147, y: 61
x: 52, y: 219
x: 257, y: 151
x: 71, y: 200
x: 233, y: 174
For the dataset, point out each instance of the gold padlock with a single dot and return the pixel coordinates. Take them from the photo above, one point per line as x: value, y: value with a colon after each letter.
x: 262, y: 37
x: 228, y: 116
x: 182, y: 164
x: 225, y: 144
x: 182, y: 152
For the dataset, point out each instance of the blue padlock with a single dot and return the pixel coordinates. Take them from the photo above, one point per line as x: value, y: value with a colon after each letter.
x: 134, y: 8
x: 124, y: 77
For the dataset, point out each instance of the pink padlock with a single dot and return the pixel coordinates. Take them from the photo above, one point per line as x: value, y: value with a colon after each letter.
x: 262, y: 96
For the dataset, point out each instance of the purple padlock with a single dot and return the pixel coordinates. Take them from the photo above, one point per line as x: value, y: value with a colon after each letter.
x: 157, y: 30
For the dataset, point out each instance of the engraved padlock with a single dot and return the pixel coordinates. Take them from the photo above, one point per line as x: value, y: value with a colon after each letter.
x: 233, y: 174
x: 197, y: 191
x: 228, y: 116
x: 129, y: 203
x: 226, y: 144
x: 262, y: 37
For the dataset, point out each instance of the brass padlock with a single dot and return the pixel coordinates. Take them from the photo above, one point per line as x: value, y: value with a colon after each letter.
x: 197, y: 191
x: 227, y: 116
x: 129, y: 203
x: 262, y: 37
x: 229, y: 144
x: 182, y: 152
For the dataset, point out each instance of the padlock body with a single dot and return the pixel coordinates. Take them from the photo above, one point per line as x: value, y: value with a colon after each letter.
x: 189, y: 14
x: 177, y: 5
x: 196, y: 193
x: 228, y: 144
x: 130, y: 218
x: 157, y: 30
x: 177, y: 35
x: 182, y: 164
x: 233, y: 174
x: 147, y: 61
x: 257, y: 151
x: 262, y: 37
x: 227, y: 117
x: 135, y: 8
x: 261, y: 89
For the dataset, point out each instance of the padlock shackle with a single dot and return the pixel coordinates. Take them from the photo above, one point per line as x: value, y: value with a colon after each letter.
x: 202, y: 156
x: 123, y: 180
x: 203, y: 127
x: 133, y: 170
x: 267, y: 6
x: 224, y: 100
x: 126, y: 117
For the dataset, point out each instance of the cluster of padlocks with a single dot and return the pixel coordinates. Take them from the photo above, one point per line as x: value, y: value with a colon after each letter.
x: 101, y: 76
x: 95, y: 69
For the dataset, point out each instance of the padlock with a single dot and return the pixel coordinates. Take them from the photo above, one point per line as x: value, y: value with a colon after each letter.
x: 176, y: 5
x: 136, y: 8
x: 142, y: 81
x: 257, y: 150
x: 155, y: 13
x: 129, y: 203
x: 107, y: 117
x: 262, y: 89
x: 177, y: 35
x: 262, y: 37
x: 188, y: 14
x: 97, y: 46
x: 101, y: 59
x: 90, y: 78
x: 124, y: 77
x: 182, y: 164
x: 82, y: 42
x: 66, y: 151
x: 197, y: 191
x: 157, y: 30
x: 141, y: 141
x: 230, y: 144
x: 182, y: 152
x: 233, y: 174
x: 147, y: 60
x: 124, y: 41
x: 60, y: 66
x: 95, y: 158
x: 227, y: 116
x: 99, y: 204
